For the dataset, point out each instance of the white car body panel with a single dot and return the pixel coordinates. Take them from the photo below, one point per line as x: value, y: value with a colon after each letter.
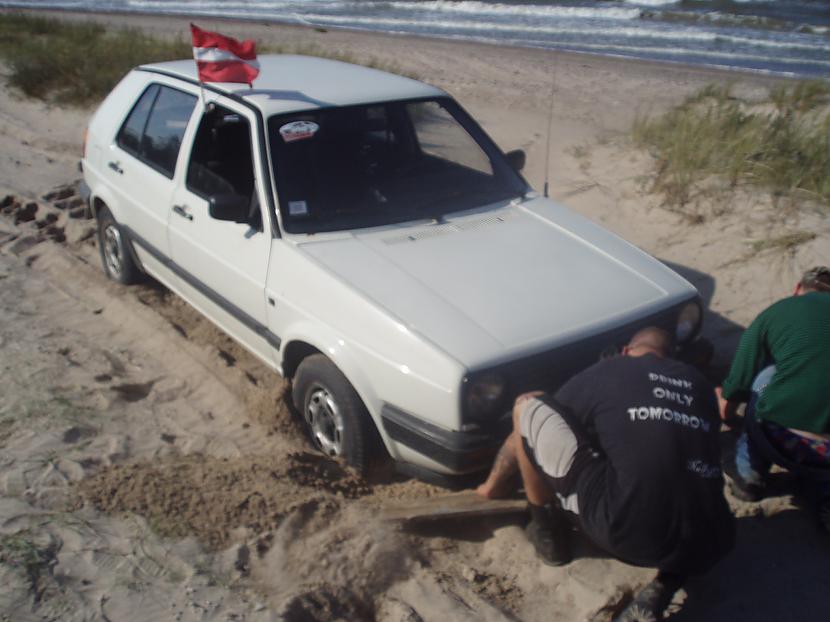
x: 481, y: 287
x: 382, y: 358
x: 231, y: 257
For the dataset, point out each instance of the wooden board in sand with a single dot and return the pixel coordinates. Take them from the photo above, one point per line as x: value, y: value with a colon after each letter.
x: 457, y: 505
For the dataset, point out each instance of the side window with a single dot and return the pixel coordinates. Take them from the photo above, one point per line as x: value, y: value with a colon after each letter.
x: 154, y: 128
x: 441, y: 136
x: 221, y: 161
x: 165, y: 128
x: 129, y: 136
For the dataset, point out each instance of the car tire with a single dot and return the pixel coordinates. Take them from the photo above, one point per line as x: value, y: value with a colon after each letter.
x: 116, y: 253
x: 334, y: 415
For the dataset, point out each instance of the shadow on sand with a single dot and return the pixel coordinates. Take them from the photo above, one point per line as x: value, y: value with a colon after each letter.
x: 779, y: 570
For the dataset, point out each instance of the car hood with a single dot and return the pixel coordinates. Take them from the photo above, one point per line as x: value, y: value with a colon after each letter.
x: 487, y: 284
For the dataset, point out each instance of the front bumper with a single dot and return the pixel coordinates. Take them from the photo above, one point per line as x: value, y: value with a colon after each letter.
x: 459, y: 452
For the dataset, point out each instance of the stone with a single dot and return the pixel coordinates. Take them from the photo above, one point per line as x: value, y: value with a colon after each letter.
x: 26, y: 213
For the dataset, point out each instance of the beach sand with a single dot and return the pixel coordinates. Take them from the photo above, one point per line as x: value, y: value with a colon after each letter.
x: 150, y: 471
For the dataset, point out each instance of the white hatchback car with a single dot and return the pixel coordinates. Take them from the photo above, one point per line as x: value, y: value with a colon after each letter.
x: 362, y: 235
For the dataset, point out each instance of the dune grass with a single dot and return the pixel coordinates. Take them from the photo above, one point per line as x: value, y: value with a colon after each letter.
x: 714, y: 141
x: 78, y: 63
x: 75, y: 63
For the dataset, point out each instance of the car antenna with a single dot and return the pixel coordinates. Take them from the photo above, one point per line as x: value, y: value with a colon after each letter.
x: 550, y: 121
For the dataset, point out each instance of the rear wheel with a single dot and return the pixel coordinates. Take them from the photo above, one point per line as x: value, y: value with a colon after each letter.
x: 116, y: 255
x: 336, y: 419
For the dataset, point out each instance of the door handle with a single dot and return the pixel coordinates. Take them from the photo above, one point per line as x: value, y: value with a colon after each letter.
x: 116, y: 167
x: 181, y: 210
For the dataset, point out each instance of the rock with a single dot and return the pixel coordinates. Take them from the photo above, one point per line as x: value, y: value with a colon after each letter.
x: 56, y: 233
x: 61, y: 192
x: 25, y: 213
x: 69, y: 203
x: 7, y: 201
x: 21, y: 245
x: 79, y: 212
x: 11, y: 207
x: 47, y: 220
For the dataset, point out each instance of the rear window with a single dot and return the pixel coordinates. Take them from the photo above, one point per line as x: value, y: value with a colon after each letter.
x: 154, y: 128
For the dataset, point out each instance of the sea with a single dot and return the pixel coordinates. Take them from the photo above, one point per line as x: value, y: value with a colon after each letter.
x: 785, y: 37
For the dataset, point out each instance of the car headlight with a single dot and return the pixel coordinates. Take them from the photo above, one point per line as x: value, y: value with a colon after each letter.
x: 688, y: 322
x: 484, y: 395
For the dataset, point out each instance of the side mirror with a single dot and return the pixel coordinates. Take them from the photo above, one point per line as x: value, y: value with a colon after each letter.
x: 231, y: 206
x: 516, y: 159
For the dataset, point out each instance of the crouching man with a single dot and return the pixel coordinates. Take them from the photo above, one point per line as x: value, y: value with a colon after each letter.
x: 627, y: 449
x: 782, y: 368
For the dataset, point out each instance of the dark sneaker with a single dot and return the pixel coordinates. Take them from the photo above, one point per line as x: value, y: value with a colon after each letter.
x: 650, y: 602
x: 548, y: 532
x: 739, y: 487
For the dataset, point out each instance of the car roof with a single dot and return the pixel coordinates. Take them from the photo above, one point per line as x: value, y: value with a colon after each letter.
x: 288, y: 83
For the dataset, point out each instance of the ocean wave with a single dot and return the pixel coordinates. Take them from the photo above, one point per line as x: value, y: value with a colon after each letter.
x: 487, y: 8
x: 582, y: 31
x: 728, y: 58
x: 64, y: 4
x: 467, y: 7
x: 216, y: 5
x: 652, y: 3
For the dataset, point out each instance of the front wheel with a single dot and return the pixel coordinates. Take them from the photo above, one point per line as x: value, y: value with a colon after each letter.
x: 335, y: 417
x: 116, y: 255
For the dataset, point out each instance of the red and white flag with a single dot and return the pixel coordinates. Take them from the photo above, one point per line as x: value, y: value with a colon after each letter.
x: 224, y: 59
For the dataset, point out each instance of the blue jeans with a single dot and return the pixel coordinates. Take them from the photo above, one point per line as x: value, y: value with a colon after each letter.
x: 762, y: 443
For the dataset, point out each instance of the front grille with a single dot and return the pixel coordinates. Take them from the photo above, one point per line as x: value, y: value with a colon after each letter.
x: 549, y: 370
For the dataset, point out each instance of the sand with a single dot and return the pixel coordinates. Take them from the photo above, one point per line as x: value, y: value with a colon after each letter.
x: 150, y: 470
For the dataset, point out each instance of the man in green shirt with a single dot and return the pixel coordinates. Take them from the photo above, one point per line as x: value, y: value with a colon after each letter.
x: 782, y: 369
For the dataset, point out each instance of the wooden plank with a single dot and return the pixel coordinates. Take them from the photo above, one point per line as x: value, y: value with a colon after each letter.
x: 455, y: 506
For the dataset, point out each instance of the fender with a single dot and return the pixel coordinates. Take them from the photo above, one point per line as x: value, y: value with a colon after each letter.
x: 332, y: 345
x: 100, y: 191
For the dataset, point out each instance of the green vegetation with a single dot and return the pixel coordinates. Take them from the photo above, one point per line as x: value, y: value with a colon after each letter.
x: 79, y: 63
x: 785, y: 242
x: 715, y: 142
x: 75, y: 63
x: 20, y: 552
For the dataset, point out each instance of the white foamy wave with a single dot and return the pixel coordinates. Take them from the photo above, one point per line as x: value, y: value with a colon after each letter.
x: 680, y: 52
x: 216, y: 5
x: 79, y: 4
x: 670, y: 36
x: 486, y: 8
x: 651, y: 2
x: 469, y: 7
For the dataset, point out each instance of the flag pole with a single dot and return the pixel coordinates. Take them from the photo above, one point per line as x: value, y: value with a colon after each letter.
x: 202, y: 93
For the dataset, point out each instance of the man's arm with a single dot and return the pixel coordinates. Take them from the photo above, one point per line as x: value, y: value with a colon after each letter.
x: 749, y: 358
x: 728, y: 409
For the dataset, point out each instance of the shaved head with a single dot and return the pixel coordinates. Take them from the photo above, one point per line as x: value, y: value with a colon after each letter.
x: 650, y: 339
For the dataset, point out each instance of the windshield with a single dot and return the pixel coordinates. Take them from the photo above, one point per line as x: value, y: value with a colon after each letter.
x: 377, y: 164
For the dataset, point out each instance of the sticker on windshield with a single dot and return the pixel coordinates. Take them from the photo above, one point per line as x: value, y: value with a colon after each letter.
x: 297, y: 208
x: 298, y: 130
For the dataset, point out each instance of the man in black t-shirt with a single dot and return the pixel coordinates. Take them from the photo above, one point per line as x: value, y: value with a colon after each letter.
x: 630, y: 448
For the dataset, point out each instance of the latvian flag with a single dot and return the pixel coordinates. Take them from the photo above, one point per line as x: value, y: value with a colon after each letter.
x: 224, y: 59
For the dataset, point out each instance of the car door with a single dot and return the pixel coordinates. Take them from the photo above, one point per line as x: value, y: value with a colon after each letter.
x: 142, y: 160
x: 225, y: 259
